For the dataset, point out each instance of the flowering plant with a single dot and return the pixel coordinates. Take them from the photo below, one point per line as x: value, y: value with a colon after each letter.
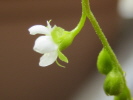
x: 57, y: 39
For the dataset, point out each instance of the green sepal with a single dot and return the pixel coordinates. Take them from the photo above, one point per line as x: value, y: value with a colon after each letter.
x: 104, y: 62
x: 67, y: 40
x: 59, y: 64
x: 61, y: 37
x: 62, y: 57
x: 58, y: 34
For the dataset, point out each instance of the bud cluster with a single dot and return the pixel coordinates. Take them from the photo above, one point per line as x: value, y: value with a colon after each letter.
x: 114, y: 82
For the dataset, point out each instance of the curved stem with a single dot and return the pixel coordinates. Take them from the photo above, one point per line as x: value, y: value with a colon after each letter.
x: 80, y: 25
x: 100, y: 34
x: 103, y: 39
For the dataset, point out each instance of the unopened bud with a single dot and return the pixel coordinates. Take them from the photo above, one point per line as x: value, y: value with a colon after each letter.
x: 114, y: 83
x: 104, y: 63
x: 124, y: 95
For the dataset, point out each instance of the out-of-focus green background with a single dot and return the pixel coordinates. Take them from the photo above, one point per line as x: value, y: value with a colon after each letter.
x: 20, y: 76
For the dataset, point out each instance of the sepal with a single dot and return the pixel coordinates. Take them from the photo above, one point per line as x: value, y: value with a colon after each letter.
x: 61, y: 37
x: 62, y: 57
x: 59, y: 64
x: 58, y: 34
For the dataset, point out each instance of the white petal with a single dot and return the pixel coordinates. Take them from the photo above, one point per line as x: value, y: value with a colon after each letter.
x: 38, y: 29
x: 44, y: 44
x: 48, y: 59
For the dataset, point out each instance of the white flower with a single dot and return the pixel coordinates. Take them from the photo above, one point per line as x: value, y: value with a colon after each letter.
x: 125, y: 8
x: 45, y: 44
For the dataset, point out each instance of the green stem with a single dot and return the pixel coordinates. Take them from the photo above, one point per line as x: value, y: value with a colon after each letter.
x: 103, y: 39
x: 100, y: 34
x: 80, y: 25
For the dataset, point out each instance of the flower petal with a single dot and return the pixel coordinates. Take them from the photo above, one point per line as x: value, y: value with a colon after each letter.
x: 38, y: 29
x: 44, y: 44
x: 48, y: 59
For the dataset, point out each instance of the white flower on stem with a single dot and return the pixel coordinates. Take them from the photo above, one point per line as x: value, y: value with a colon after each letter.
x: 49, y: 44
x: 45, y: 44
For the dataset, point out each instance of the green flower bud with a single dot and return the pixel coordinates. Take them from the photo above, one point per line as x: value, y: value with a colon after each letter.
x: 124, y: 95
x: 104, y: 63
x: 114, y: 83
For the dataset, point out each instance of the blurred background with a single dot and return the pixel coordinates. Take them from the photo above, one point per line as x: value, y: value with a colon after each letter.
x: 21, y: 78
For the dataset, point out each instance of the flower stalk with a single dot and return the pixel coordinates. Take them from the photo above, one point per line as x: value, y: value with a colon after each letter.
x: 81, y: 23
x: 106, y: 46
x: 99, y: 32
